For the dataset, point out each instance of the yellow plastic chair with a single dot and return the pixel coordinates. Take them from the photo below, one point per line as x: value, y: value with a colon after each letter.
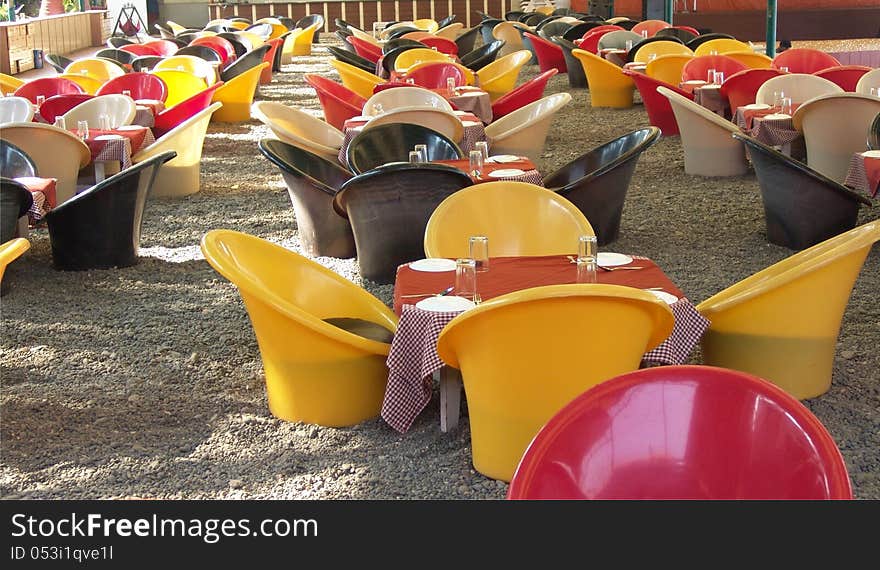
x: 450, y: 32
x: 499, y: 77
x: 191, y: 64
x: 88, y: 83
x: 180, y: 175
x: 240, y: 26
x: 752, y: 59
x: 418, y: 55
x: 609, y: 86
x: 302, y: 42
x: 10, y: 251
x: 237, y: 94
x: 722, y: 46
x: 518, y: 218
x: 546, y: 10
x: 255, y: 40
x: 782, y: 323
x: 525, y: 355
x: 57, y: 153
x: 316, y: 372
x: 8, y: 83
x: 668, y: 68
x: 175, y: 27
x: 507, y: 32
x: 469, y: 76
x: 289, y: 45
x: 181, y: 84
x: 427, y: 24
x: 278, y: 29
x: 98, y: 68
x: 644, y: 53
x: 360, y: 81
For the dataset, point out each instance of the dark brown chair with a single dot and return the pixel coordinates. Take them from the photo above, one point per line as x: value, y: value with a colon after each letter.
x: 874, y: 134
x: 392, y: 143
x: 388, y: 209
x: 577, y: 78
x: 352, y: 58
x: 801, y: 206
x: 14, y: 162
x: 244, y: 63
x: 15, y: 201
x: 312, y: 182
x: 597, y: 181
x: 466, y: 40
x: 482, y: 56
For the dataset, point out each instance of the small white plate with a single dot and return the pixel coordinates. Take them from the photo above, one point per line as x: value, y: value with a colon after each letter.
x: 433, y: 264
x: 359, y: 118
x: 712, y: 86
x: 695, y: 82
x: 609, y: 259
x: 468, y: 94
x: 503, y: 158
x: 109, y: 137
x: 470, y: 124
x: 776, y: 116
x: 505, y: 172
x: 871, y: 154
x: 129, y: 128
x: 445, y: 303
x: 669, y: 298
x: 756, y: 106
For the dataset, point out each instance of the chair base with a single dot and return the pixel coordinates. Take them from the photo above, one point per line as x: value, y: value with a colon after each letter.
x: 619, y: 98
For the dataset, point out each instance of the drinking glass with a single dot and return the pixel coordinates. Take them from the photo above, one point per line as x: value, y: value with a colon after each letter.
x: 588, y: 247
x: 710, y: 76
x: 465, y: 278
x: 450, y: 86
x: 587, y: 271
x: 652, y: 56
x: 82, y: 129
x: 40, y: 100
x: 874, y: 92
x: 783, y: 69
x: 126, y: 92
x: 778, y: 96
x: 476, y: 163
x: 479, y: 248
x: 713, y: 52
x: 422, y: 149
x: 785, y: 108
x: 719, y: 78
x: 104, y: 122
x: 60, y: 122
x: 415, y: 157
x: 644, y: 33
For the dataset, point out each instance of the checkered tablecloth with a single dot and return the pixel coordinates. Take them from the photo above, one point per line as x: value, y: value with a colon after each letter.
x: 413, y: 358
x: 863, y: 174
x: 773, y: 132
x: 146, y: 111
x: 709, y: 96
x: 529, y: 173
x: 133, y: 139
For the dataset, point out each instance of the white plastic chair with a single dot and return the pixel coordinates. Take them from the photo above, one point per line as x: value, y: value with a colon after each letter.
x: 617, y: 39
x: 440, y: 120
x: 120, y: 108
x: 867, y: 81
x: 798, y: 86
x: 15, y: 110
x: 709, y: 148
x: 400, y: 97
x: 524, y: 131
x: 295, y: 126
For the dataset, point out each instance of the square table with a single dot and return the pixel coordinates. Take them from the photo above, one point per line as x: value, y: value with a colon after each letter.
x: 118, y: 144
x: 413, y: 359
x: 864, y: 172
x: 529, y: 174
x: 772, y: 128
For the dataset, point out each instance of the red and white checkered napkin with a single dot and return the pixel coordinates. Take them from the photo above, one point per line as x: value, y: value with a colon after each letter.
x: 412, y: 361
x: 686, y: 333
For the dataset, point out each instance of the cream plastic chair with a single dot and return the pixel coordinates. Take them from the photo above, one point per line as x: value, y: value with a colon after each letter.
x: 10, y: 251
x: 399, y: 97
x: 609, y: 86
x: 120, y: 108
x: 499, y: 77
x: 316, y: 371
x: 360, y: 81
x: 451, y: 31
x: 445, y: 122
x: 180, y: 175
x: 88, y: 83
x: 508, y: 32
x: 524, y: 131
x: 411, y: 57
x: 782, y: 323
x: 867, y: 81
x: 659, y: 48
x: 101, y: 69
x: 668, y: 68
x: 835, y: 127
x: 191, y: 64
x: 181, y: 85
x: 752, y: 59
x: 56, y: 153
x: 722, y: 46
x: 237, y: 96
x: 709, y: 150
x: 278, y: 29
x: 521, y: 358
x: 253, y: 39
x: 15, y: 110
x: 798, y: 86
x: 385, y: 32
x: 617, y: 39
x: 299, y: 128
x: 518, y: 218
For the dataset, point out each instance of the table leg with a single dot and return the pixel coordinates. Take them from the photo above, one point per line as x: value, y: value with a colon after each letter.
x: 99, y: 171
x: 450, y: 398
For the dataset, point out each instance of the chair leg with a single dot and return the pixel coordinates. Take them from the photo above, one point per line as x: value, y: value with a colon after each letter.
x: 450, y: 398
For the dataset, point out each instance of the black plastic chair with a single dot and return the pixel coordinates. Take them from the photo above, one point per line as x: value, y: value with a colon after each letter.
x: 312, y: 182
x: 399, y: 42
x: 597, y: 181
x: 187, y: 37
x: 515, y: 15
x: 534, y: 18
x: 577, y: 31
x: 577, y: 78
x: 244, y: 63
x: 553, y: 28
x: 117, y: 55
x: 58, y: 62
x: 239, y: 44
x: 703, y: 38
x: 684, y: 35
x: 352, y: 58
x: 307, y: 21
x: 632, y: 53
x: 263, y: 29
x: 342, y: 35
x: 446, y: 21
x: 627, y: 24
x: 100, y: 228
x: 279, y: 53
x: 145, y: 62
x: 483, y: 55
x: 874, y: 134
x: 403, y: 30
x: 388, y: 209
x: 801, y: 206
x: 164, y: 31
x: 202, y: 52
x: 389, y: 58
x: 468, y: 39
x: 14, y: 162
x: 15, y: 201
x: 486, y: 27
x: 288, y: 23
x: 392, y: 142
x: 118, y: 42
x: 343, y: 25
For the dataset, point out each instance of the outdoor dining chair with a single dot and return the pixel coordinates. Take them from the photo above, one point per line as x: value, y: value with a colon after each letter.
x: 15, y: 201
x: 15, y: 110
x: 577, y: 79
x: 352, y: 59
x: 120, y: 56
x: 798, y: 86
x: 845, y: 76
x: 657, y: 106
x: 528, y: 92
x: 190, y: 64
x: 508, y: 33
x: 499, y: 77
x: 549, y: 55
x: 161, y: 47
x: 868, y: 81
x: 47, y: 87
x: 244, y: 63
x: 668, y: 68
x: 404, y: 97
x: 9, y: 252
x: 523, y: 132
x: 338, y: 102
x: 741, y: 88
x: 646, y: 50
x: 95, y: 68
x: 120, y: 109
x: 58, y: 62
x: 170, y: 117
x: 720, y: 46
x: 804, y: 60
x: 299, y: 128
x: 436, y: 74
x: 703, y: 38
x: 237, y: 95
x: 609, y: 86
x: 139, y: 85
x: 874, y: 134
x: 466, y: 40
x: 678, y: 32
x: 181, y: 84
x: 14, y: 162
x: 698, y: 67
x: 365, y: 49
x: 354, y: 78
x: 393, y: 142
x: 651, y: 27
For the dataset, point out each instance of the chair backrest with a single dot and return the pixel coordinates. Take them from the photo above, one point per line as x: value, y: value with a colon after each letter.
x: 804, y: 60
x: 517, y: 217
x: 703, y: 38
x: 58, y: 62
x: 874, y: 134
x: 325, y: 175
x: 698, y: 67
x: 122, y: 56
x: 97, y: 68
x: 751, y: 59
x: 434, y: 75
x: 400, y: 97
x: 657, y: 48
x: 15, y: 110
x: 392, y: 143
x: 529, y: 92
x: 15, y: 201
x: 299, y: 128
x: 681, y: 33
x: 162, y: 47
x: 741, y: 88
x: 531, y: 122
x: 239, y: 44
x: 845, y: 76
x: 720, y: 46
x: 411, y: 57
x: 799, y: 86
x: 651, y: 27
x: 47, y: 87
x: 868, y: 81
x: 445, y: 122
x: 58, y: 105
x: 775, y: 448
x: 617, y: 39
x: 356, y: 79
x: 14, y: 162
x: 207, y: 53
x: 365, y: 49
x: 353, y: 59
x: 510, y: 35
x: 668, y: 68
x: 339, y: 103
x: 245, y: 62
x: 190, y: 64
x: 140, y: 85
x: 145, y: 62
x: 466, y: 40
x: 172, y: 116
x: 181, y: 84
x: 119, y: 108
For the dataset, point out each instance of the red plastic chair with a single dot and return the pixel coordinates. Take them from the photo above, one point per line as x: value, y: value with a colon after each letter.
x: 222, y: 46
x: 683, y: 432
x: 804, y: 60
x: 590, y: 41
x: 741, y: 88
x: 171, y: 117
x: 528, y: 92
x: 656, y: 105
x: 700, y: 65
x: 142, y: 86
x: 392, y: 85
x: 165, y: 48
x: 846, y: 76
x: 688, y: 29
x: 650, y: 26
x: 339, y: 102
x: 549, y: 54
x: 57, y: 105
x: 443, y: 45
x: 47, y: 87
x: 365, y: 49
x: 433, y: 75
x: 141, y: 49
x: 602, y: 28
x: 274, y: 45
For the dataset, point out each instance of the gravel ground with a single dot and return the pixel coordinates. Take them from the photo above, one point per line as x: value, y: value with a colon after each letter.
x: 147, y: 381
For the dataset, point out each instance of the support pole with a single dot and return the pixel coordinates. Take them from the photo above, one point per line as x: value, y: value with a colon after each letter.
x: 771, y: 28
x: 668, y: 9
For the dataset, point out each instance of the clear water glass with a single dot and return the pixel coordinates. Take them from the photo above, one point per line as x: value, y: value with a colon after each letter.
x: 778, y: 96
x: 587, y: 271
x: 126, y: 92
x: 483, y: 147
x: 629, y: 45
x: 60, y: 122
x: 82, y: 129
x: 422, y: 149
x: 783, y: 69
x: 785, y: 107
x: 710, y: 75
x: 40, y: 100
x: 479, y: 250
x: 104, y: 122
x: 719, y: 78
x: 415, y: 157
x: 450, y: 86
x: 476, y: 163
x: 465, y: 278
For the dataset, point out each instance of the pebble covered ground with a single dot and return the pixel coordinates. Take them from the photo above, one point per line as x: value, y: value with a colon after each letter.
x: 147, y: 381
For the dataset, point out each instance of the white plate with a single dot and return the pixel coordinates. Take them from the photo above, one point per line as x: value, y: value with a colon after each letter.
x: 712, y: 86
x: 433, y: 264
x: 871, y: 154
x: 129, y: 128
x: 695, y: 82
x: 468, y: 94
x: 505, y: 172
x: 756, y: 106
x: 470, y: 124
x: 109, y: 137
x: 359, y: 118
x: 461, y: 113
x: 445, y: 303
x: 776, y: 116
x: 669, y: 298
x: 608, y: 259
x: 502, y: 158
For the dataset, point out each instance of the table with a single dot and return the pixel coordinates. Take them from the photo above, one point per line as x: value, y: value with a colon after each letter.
x: 130, y: 140
x: 616, y: 56
x: 707, y: 95
x: 777, y: 132
x: 413, y: 359
x: 473, y: 132
x: 466, y: 98
x: 530, y: 173
x: 43, y: 192
x: 146, y: 111
x: 864, y: 173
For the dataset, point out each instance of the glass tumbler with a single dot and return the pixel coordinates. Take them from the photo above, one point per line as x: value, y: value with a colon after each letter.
x: 785, y: 107
x: 476, y: 163
x: 479, y: 249
x: 719, y: 78
x: 126, y: 92
x: 465, y: 278
x: 40, y: 100
x: 778, y: 96
x: 104, y: 122
x: 82, y: 129
x: 483, y: 147
x: 450, y: 86
x: 60, y: 122
x: 415, y: 157
x: 710, y: 75
x: 587, y: 259
x: 422, y: 149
